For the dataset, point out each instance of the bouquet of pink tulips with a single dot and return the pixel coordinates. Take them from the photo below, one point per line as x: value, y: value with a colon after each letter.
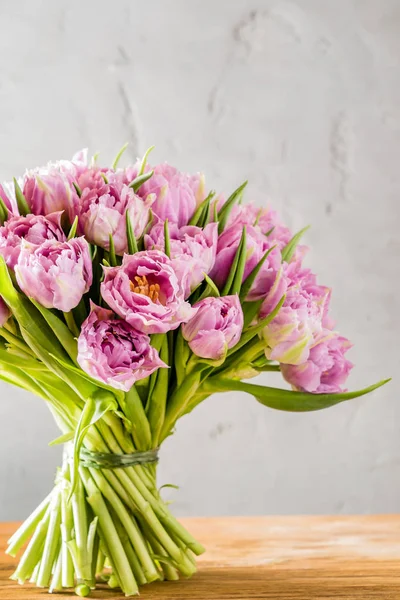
x: 128, y: 297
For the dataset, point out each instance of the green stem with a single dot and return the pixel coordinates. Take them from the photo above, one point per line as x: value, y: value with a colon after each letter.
x: 51, y: 543
x: 70, y: 321
x: 112, y: 443
x: 128, y: 524
x: 119, y: 558
x: 33, y: 552
x: 16, y: 341
x: 180, y: 399
x: 100, y: 562
x: 158, y: 404
x: 141, y: 432
x: 130, y: 552
x: 92, y: 547
x: 153, y: 512
x: 170, y: 572
x: 67, y: 523
x: 35, y: 573
x: 250, y: 352
x: 56, y: 582
x: 18, y: 539
x: 81, y: 532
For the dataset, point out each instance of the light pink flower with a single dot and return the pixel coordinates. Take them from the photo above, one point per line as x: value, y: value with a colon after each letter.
x: 325, y: 370
x: 293, y: 332
x: 55, y: 274
x: 177, y: 194
x: 48, y: 190
x: 35, y: 229
x: 145, y: 291
x: 192, y: 250
x: 257, y: 245
x: 264, y: 219
x: 111, y: 351
x: 216, y: 327
x: 102, y: 212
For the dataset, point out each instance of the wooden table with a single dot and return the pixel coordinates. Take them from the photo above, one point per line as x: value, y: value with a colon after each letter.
x: 254, y: 558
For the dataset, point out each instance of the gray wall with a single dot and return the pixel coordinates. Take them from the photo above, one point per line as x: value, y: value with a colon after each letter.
x: 303, y: 99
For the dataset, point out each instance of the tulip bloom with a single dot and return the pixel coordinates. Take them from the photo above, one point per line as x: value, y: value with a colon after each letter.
x: 177, y: 194
x: 55, y: 274
x: 145, y: 291
x: 216, y: 327
x: 102, y: 212
x: 264, y: 219
x: 111, y: 351
x: 326, y: 368
x: 49, y: 189
x: 192, y: 250
x: 34, y: 229
x: 257, y: 245
x: 300, y: 322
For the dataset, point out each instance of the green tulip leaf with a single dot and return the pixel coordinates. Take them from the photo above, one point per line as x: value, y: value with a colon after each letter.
x: 249, y: 333
x: 119, y: 155
x: 241, y: 264
x: 22, y: 204
x: 4, y: 209
x: 202, y: 212
x: 140, y: 180
x: 167, y: 240
x: 77, y: 372
x: 225, y: 211
x: 144, y: 160
x: 77, y: 189
x: 63, y: 439
x: 286, y: 400
x: 289, y: 249
x: 132, y: 243
x: 210, y: 290
x: 111, y: 252
x: 248, y: 282
x: 74, y: 227
x: 237, y: 265
x: 64, y: 335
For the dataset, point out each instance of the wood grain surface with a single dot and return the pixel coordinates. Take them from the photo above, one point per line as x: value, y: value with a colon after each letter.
x: 255, y: 558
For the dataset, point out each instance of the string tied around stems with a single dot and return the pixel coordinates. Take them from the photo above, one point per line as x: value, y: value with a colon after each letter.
x: 106, y: 460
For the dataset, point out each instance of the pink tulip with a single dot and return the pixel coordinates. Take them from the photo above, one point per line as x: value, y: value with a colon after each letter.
x: 55, y: 274
x: 111, y: 351
x: 257, y: 245
x: 102, y: 212
x: 293, y: 332
x: 35, y: 229
x: 264, y: 219
x: 145, y: 291
x: 192, y: 250
x: 49, y: 189
x: 325, y: 370
x: 216, y: 327
x: 177, y: 194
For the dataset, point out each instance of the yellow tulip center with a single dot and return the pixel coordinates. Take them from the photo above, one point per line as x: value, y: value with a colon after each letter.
x: 143, y: 287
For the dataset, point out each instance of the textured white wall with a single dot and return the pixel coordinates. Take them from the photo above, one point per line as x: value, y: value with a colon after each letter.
x: 303, y: 99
